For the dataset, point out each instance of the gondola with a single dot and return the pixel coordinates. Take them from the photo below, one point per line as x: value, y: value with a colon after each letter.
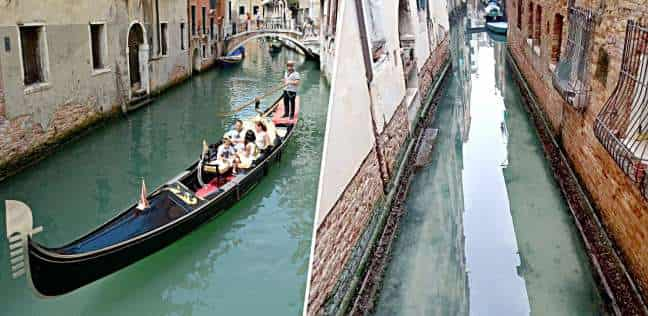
x: 175, y: 209
x: 233, y: 58
x: 497, y: 27
x: 274, y: 46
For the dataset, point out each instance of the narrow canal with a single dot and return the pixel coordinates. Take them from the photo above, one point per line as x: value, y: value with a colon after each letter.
x: 252, y: 260
x: 486, y: 231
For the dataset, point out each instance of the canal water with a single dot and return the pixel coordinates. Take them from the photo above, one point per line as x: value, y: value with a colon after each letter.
x: 486, y: 230
x: 251, y: 260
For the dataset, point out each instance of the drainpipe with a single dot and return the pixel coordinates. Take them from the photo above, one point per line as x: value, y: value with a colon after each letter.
x: 368, y: 64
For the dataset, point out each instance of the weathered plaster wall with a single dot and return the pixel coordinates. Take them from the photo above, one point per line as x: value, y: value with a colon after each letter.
x: 175, y: 66
x: 74, y: 94
x: 620, y: 203
x: 71, y: 78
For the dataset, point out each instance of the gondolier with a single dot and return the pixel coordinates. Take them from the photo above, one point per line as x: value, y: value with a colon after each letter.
x: 291, y: 80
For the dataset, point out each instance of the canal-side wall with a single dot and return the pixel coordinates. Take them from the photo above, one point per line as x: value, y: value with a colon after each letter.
x: 367, y: 131
x: 621, y: 206
x: 73, y: 95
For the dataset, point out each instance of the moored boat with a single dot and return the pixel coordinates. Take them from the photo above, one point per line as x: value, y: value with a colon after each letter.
x: 170, y: 212
x: 232, y: 58
x: 274, y: 46
x: 497, y: 27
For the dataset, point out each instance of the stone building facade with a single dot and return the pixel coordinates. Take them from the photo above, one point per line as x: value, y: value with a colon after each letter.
x: 205, y: 44
x: 67, y: 64
x: 571, y: 54
x: 372, y: 112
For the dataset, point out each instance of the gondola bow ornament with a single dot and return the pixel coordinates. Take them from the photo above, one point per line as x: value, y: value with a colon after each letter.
x: 19, y: 229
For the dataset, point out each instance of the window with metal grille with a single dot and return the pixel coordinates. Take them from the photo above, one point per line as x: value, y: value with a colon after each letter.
x: 622, y: 125
x: 570, y: 76
x: 32, y: 42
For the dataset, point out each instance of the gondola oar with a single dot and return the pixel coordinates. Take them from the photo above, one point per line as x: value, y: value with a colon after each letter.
x: 255, y: 100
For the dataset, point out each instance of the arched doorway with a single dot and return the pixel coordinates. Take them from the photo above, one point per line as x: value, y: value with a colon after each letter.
x: 196, y: 60
x: 135, y: 44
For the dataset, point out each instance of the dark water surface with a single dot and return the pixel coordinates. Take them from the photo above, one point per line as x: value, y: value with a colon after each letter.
x: 486, y: 231
x: 252, y: 260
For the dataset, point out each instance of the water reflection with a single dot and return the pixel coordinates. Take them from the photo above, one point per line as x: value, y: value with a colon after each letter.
x: 487, y: 231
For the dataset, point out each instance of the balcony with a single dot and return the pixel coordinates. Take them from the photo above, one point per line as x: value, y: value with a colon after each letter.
x: 622, y: 125
x: 570, y: 75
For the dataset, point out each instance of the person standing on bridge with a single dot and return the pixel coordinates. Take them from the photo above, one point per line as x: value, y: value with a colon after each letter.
x: 291, y: 82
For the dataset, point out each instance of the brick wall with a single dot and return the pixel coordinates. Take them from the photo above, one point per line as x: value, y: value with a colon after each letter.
x: 22, y: 140
x: 339, y: 234
x: 623, y: 210
x: 340, y: 231
x: 432, y: 66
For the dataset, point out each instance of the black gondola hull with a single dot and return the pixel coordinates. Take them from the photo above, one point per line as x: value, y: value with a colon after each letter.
x: 53, y: 274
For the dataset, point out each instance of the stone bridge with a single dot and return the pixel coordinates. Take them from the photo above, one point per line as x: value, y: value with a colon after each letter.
x: 308, y: 44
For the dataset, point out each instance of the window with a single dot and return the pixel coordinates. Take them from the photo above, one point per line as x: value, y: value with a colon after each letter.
x: 332, y: 15
x: 255, y: 10
x: 204, y: 51
x: 530, y: 22
x: 193, y: 20
x: 212, y: 50
x: 34, y: 54
x: 569, y: 77
x: 375, y: 31
x: 519, y: 15
x: 556, y: 38
x: 538, y: 26
x: 164, y: 37
x: 622, y: 125
x: 182, y: 37
x: 241, y: 10
x: 204, y: 20
x: 98, y: 45
x: 211, y: 28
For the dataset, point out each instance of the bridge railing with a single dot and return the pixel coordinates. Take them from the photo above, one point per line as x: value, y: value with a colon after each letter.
x: 270, y: 24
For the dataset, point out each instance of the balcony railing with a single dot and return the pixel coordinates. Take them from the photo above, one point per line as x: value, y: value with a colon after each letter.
x: 570, y: 75
x: 622, y: 125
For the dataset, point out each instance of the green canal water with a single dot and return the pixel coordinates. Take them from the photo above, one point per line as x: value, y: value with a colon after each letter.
x: 251, y: 260
x: 486, y: 231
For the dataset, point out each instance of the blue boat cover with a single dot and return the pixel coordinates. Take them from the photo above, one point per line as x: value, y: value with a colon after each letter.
x: 165, y: 207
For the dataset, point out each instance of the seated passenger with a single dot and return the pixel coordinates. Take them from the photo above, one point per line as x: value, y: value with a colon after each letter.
x: 225, y: 156
x: 262, y: 139
x: 236, y: 134
x: 249, y: 153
